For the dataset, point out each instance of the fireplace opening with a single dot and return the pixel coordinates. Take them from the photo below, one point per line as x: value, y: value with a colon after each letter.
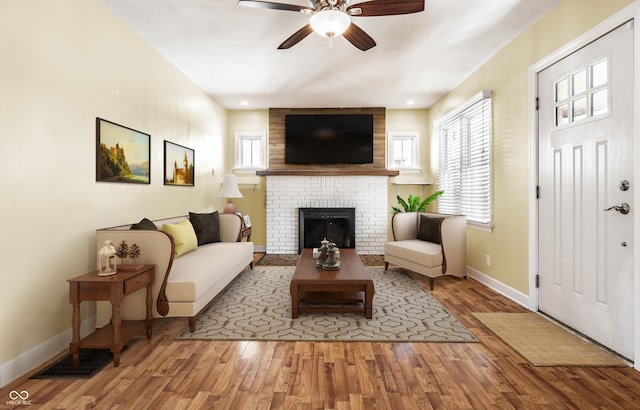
x: 338, y: 225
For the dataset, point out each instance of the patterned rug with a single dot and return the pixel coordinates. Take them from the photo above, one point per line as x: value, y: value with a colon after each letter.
x: 272, y: 259
x: 257, y: 306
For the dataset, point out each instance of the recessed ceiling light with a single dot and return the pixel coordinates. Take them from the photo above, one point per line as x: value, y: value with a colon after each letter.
x: 244, y: 103
x: 410, y: 102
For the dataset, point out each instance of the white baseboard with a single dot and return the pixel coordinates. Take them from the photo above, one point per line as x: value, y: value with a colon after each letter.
x: 34, y: 357
x: 515, y: 295
x: 260, y: 248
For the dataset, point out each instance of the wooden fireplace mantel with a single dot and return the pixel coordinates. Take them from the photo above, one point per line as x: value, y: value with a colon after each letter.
x: 328, y: 172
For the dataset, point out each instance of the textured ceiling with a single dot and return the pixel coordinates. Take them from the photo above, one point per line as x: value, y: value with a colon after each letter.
x: 231, y: 51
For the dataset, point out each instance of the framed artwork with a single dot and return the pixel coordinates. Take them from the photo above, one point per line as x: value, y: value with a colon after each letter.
x: 178, y: 164
x: 247, y: 221
x: 122, y: 154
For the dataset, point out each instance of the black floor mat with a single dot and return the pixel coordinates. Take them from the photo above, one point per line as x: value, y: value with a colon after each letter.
x: 91, y: 361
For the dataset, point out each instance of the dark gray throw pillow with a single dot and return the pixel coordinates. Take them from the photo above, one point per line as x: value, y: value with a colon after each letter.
x: 207, y: 227
x: 429, y: 229
x: 144, y: 225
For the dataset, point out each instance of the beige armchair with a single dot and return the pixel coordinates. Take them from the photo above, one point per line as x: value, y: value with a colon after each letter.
x: 430, y: 244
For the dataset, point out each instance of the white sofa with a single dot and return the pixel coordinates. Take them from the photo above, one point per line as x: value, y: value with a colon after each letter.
x: 419, y: 251
x: 184, y: 284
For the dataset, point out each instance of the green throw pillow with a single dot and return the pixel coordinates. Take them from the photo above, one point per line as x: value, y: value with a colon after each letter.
x: 184, y: 237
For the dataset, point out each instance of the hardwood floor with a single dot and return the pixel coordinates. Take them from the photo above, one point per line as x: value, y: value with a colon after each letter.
x: 165, y: 373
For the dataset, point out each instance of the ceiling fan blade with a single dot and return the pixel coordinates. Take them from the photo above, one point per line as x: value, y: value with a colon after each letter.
x: 388, y: 7
x: 273, y: 6
x: 356, y: 36
x: 296, y: 37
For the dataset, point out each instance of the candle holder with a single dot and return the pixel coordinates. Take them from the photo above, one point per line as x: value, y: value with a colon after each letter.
x: 107, y: 260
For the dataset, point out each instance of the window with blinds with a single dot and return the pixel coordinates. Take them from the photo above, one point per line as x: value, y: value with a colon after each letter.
x: 465, y: 160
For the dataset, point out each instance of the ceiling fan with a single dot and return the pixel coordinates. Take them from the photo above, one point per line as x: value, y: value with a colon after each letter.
x: 332, y: 18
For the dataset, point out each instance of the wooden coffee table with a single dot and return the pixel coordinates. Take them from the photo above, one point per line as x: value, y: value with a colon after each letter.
x: 346, y: 290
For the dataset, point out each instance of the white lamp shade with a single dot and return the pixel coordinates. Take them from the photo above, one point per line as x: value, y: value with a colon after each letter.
x: 230, y: 187
x: 330, y: 23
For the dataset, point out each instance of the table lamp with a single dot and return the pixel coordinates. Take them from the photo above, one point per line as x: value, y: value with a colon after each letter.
x: 230, y: 190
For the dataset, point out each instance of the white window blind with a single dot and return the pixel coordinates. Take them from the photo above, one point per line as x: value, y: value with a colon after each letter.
x: 465, y: 160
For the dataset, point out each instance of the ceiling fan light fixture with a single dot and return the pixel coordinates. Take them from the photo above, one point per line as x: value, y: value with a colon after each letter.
x: 330, y: 23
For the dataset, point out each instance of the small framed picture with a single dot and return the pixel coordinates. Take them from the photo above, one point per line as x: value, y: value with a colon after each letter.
x: 178, y: 164
x: 247, y: 221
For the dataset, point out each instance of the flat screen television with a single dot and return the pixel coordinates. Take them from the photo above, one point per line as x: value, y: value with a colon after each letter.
x: 329, y: 139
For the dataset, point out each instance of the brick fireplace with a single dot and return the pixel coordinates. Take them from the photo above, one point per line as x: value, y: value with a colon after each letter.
x: 366, y: 193
x: 360, y: 186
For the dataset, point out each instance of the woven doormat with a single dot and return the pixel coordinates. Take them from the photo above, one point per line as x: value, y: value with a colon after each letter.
x: 91, y: 361
x: 544, y: 343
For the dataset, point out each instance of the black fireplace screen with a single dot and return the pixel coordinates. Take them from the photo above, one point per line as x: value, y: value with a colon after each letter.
x: 336, y: 224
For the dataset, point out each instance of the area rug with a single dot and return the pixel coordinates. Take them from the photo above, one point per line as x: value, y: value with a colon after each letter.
x: 91, y: 361
x: 271, y: 259
x: 257, y: 306
x: 544, y: 343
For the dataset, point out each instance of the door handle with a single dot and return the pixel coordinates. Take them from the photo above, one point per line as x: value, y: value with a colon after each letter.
x: 623, y: 208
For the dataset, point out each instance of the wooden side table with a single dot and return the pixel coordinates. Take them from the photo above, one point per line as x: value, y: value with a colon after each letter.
x: 112, y: 288
x: 246, y: 233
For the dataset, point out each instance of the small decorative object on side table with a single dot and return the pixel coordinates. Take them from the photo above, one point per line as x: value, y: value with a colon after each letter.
x: 92, y: 286
x: 246, y: 221
x: 124, y: 250
x: 107, y: 260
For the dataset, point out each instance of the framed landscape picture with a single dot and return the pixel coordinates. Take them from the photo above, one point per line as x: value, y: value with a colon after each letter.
x: 122, y: 154
x: 178, y: 164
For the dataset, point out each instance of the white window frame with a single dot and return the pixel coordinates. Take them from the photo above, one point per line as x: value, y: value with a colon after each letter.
x: 461, y: 182
x: 414, y: 138
x: 588, y: 93
x: 240, y: 137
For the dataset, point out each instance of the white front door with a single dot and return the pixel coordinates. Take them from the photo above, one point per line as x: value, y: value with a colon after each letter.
x: 585, y: 167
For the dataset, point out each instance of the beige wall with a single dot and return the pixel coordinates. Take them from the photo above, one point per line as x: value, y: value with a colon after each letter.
x: 64, y: 63
x: 507, y: 75
x: 254, y: 201
x: 408, y: 121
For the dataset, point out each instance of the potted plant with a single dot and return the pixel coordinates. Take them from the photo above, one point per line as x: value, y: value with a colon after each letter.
x: 414, y: 203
